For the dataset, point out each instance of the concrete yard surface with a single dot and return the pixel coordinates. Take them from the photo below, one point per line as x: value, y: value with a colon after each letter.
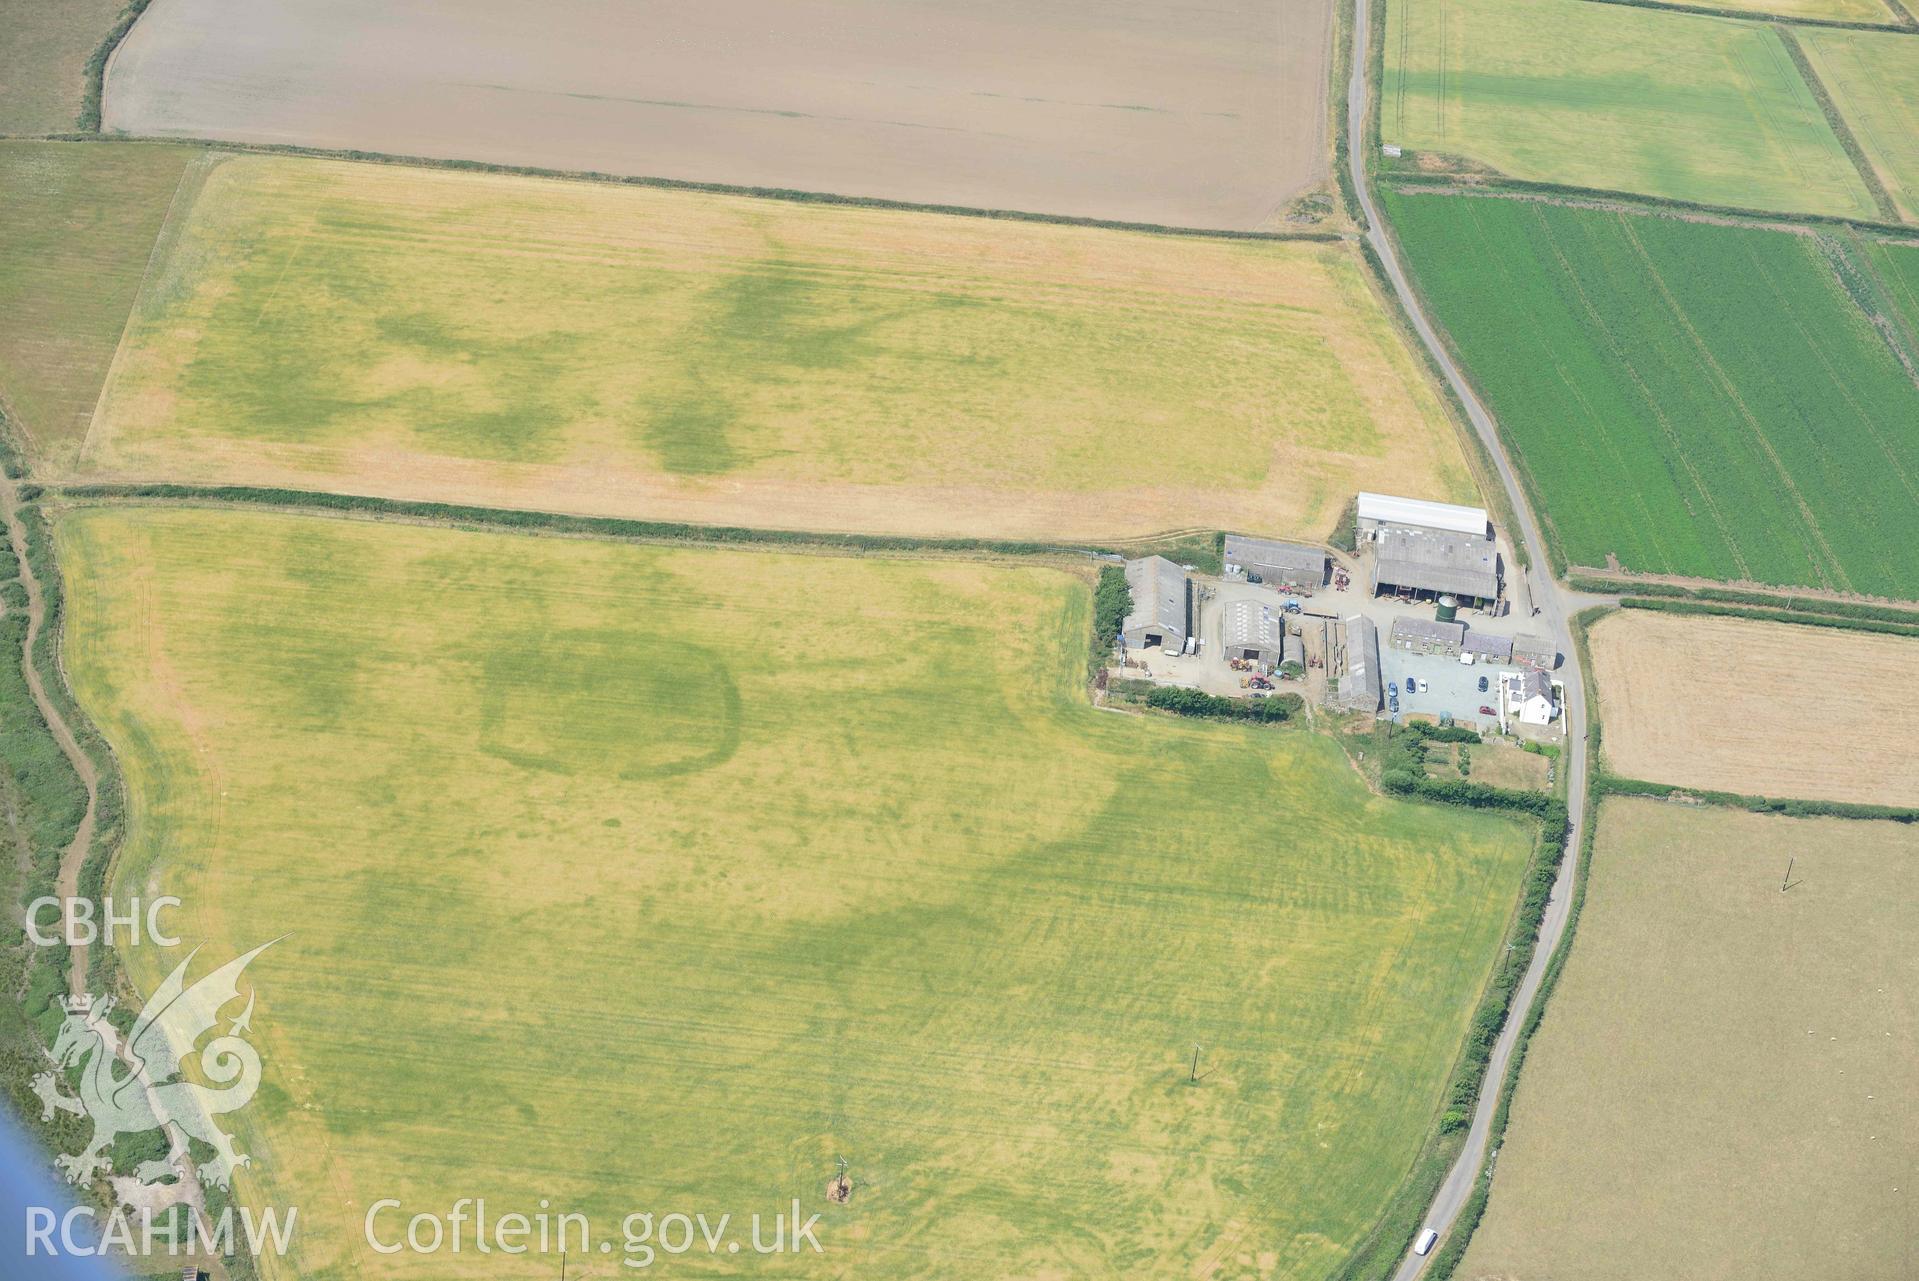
x: 1211, y: 116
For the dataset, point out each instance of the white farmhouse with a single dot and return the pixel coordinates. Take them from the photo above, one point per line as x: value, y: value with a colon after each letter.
x: 1526, y: 696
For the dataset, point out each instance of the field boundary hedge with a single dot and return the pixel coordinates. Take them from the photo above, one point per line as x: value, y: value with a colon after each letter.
x: 1411, y: 183
x: 791, y: 195
x: 1667, y: 605
x: 1379, y: 1253
x: 1785, y: 598
x: 1788, y: 807
x: 1201, y: 550
x: 1274, y: 710
x: 1748, y: 15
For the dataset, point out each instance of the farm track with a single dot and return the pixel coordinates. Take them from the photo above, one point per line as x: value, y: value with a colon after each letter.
x: 1544, y: 594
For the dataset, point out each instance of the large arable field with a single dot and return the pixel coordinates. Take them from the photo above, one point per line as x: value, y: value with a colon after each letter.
x: 618, y: 350
x: 648, y: 878
x: 1115, y: 109
x: 1722, y: 1087
x: 1767, y: 709
x: 1873, y: 78
x: 77, y: 228
x: 44, y: 47
x: 1615, y: 97
x: 1686, y: 397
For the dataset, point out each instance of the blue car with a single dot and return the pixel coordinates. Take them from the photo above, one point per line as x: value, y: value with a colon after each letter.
x: 1392, y: 688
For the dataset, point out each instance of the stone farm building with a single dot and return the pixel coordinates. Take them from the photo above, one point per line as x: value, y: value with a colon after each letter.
x: 1281, y: 564
x: 1424, y: 636
x: 1488, y: 648
x: 1162, y: 605
x: 1535, y: 651
x: 1253, y: 630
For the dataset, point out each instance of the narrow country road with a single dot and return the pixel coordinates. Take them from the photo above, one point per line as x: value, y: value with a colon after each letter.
x: 1553, y: 603
x: 67, y: 884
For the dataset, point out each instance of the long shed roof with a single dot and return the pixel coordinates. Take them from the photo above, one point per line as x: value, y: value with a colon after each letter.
x: 1434, y: 561
x: 1159, y: 595
x: 1359, y: 688
x: 1254, y: 553
x: 1390, y: 510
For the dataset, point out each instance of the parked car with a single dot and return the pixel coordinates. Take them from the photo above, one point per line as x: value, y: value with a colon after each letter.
x: 1392, y: 689
x: 1482, y: 684
x: 1486, y: 711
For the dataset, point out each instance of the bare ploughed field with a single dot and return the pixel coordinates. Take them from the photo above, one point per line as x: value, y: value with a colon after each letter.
x: 1210, y: 115
x: 1768, y: 709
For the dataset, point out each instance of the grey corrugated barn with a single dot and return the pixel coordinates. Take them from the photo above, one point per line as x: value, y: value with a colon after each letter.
x: 1162, y: 604
x: 1431, y: 562
x: 1359, y: 688
x: 1253, y: 630
x: 1281, y: 564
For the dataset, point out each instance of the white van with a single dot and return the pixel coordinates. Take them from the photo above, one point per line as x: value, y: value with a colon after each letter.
x: 1426, y: 1241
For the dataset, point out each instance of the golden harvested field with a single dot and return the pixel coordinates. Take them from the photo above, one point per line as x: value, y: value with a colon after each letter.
x: 1723, y: 1085
x: 1769, y: 709
x: 630, y: 351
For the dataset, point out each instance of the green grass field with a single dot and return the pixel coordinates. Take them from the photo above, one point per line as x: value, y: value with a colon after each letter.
x: 44, y: 49
x: 631, y: 351
x: 1873, y: 78
x: 1723, y: 1084
x: 80, y: 221
x: 1614, y: 97
x: 641, y: 878
x: 1687, y: 397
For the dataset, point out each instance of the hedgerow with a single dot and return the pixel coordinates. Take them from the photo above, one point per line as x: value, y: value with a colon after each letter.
x: 1191, y: 702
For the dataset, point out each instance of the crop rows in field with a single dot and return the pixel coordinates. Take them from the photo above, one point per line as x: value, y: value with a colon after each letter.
x: 1686, y: 397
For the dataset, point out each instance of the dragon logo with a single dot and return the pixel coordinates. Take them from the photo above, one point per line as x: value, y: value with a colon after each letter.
x: 135, y: 1085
